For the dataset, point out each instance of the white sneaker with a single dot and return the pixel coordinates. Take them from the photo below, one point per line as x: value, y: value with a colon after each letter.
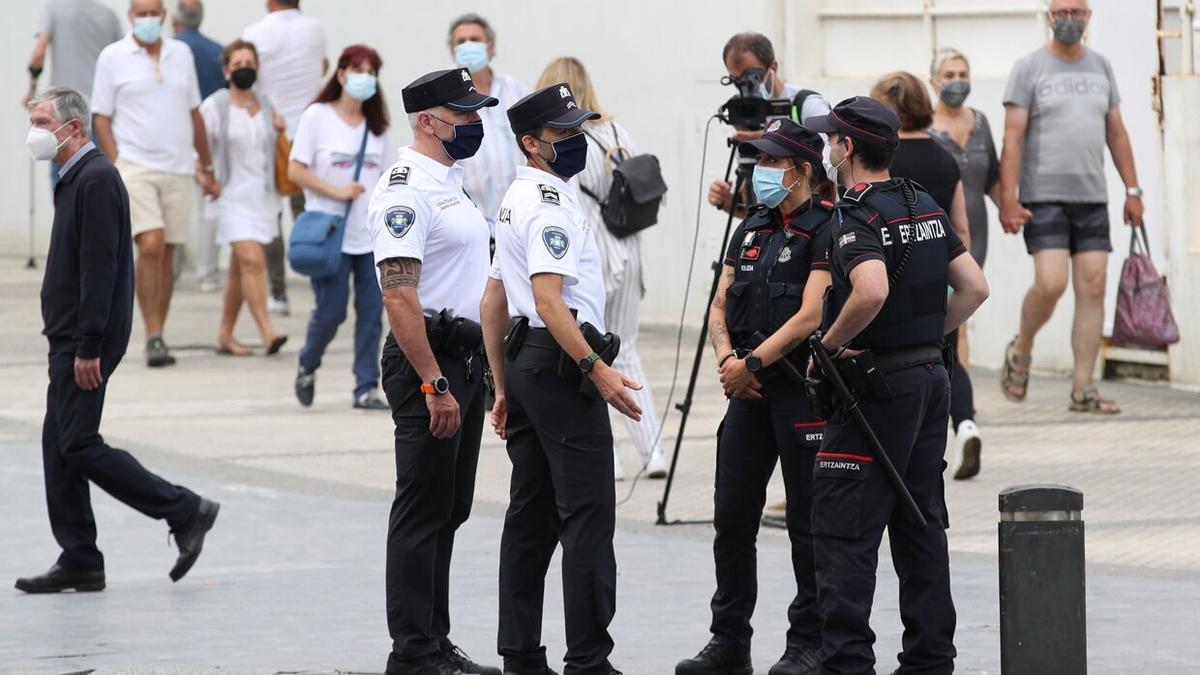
x: 657, y: 466
x: 967, y: 449
x: 209, y: 286
x: 618, y: 468
x: 278, y: 306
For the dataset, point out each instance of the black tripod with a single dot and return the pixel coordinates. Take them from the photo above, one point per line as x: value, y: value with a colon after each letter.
x: 745, y: 167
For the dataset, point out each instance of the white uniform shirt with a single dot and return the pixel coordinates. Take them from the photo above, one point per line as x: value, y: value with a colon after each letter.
x: 541, y: 229
x: 419, y: 210
x: 150, y: 102
x: 291, y: 54
x: 491, y: 170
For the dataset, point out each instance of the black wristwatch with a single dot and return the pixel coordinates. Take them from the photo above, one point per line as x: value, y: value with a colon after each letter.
x: 753, y: 363
x: 439, y: 386
x: 587, y: 363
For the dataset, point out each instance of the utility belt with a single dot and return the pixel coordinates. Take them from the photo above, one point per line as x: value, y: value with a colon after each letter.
x: 866, y: 374
x: 521, y: 335
x: 452, y: 338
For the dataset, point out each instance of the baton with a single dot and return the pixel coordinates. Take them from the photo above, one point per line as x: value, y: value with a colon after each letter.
x: 789, y: 368
x: 851, y: 406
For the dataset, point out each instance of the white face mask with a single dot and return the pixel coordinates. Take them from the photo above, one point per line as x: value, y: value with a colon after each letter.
x: 43, y: 144
x: 831, y: 169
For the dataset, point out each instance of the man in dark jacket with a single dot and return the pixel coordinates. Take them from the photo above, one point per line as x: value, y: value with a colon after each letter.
x: 87, y: 308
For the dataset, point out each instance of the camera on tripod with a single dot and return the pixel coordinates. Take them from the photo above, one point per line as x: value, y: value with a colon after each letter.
x: 748, y: 109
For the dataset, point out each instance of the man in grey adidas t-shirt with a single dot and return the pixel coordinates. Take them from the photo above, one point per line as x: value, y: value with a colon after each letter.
x: 1062, y: 108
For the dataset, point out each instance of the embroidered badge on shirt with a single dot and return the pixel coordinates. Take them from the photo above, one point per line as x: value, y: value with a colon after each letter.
x: 557, y: 241
x: 549, y: 195
x: 847, y: 239
x: 399, y: 176
x: 399, y: 220
x: 785, y: 254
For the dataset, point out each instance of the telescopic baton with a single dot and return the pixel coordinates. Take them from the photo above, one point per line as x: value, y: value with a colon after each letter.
x: 851, y: 406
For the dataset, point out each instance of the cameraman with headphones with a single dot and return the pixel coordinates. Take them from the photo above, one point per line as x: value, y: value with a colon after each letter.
x: 750, y: 59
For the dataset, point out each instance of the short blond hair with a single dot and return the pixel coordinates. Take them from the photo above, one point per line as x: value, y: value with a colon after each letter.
x: 943, y: 55
x: 570, y: 70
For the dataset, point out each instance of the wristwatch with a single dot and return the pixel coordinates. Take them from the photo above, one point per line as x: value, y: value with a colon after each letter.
x: 1134, y: 191
x: 439, y: 386
x: 588, y: 362
x: 753, y: 363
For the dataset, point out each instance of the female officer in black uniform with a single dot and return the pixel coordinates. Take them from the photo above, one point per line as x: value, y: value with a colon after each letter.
x: 776, y: 272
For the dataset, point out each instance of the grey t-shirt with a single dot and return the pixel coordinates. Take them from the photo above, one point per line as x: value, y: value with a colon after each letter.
x: 78, y: 30
x: 813, y: 106
x: 1064, y: 144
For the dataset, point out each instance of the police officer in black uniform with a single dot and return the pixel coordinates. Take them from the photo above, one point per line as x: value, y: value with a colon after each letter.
x: 552, y: 378
x: 893, y: 255
x: 768, y: 302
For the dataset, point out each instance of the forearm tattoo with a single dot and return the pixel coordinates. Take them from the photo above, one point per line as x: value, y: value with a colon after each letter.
x: 719, y: 335
x: 399, y: 272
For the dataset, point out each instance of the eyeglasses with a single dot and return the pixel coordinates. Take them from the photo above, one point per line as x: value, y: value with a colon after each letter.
x: 1077, y: 14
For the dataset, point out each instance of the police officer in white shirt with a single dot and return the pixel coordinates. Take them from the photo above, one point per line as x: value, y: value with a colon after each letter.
x: 431, y: 250
x: 553, y: 377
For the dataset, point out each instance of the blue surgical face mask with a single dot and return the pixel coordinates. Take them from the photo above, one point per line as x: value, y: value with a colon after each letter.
x: 361, y: 86
x: 769, y: 187
x: 147, y: 29
x: 570, y: 155
x: 471, y: 55
x: 466, y: 139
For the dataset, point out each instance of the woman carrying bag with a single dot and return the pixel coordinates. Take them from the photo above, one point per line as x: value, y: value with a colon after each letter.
x: 338, y: 152
x: 242, y: 130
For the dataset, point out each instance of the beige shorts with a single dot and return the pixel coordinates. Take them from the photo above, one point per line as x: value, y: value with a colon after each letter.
x: 157, y: 201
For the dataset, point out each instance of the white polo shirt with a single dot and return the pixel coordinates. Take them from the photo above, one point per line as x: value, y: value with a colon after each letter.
x: 541, y: 228
x: 291, y: 53
x: 418, y: 210
x: 150, y: 102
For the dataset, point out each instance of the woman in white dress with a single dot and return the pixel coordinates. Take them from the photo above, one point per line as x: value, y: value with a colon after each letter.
x: 242, y: 131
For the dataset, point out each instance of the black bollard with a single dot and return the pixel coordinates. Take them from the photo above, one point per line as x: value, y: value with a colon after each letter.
x: 1042, y: 621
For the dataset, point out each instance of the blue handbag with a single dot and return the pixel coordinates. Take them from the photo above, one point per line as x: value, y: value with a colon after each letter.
x: 315, y: 247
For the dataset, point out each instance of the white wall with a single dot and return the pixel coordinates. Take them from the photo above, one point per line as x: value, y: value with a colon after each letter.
x: 657, y: 66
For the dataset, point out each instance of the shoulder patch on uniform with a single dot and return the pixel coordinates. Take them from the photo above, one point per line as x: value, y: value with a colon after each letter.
x: 399, y: 176
x: 549, y: 195
x: 856, y: 193
x: 556, y: 240
x: 846, y: 239
x: 399, y: 220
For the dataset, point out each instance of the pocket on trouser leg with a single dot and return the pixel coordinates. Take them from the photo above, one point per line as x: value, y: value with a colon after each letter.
x: 839, y: 487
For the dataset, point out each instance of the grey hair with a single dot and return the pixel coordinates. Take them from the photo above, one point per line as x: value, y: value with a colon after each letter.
x: 413, y: 120
x: 943, y: 55
x: 471, y: 17
x: 189, y: 14
x: 68, y: 105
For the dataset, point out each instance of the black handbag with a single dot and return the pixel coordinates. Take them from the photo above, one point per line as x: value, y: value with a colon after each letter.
x: 636, y: 192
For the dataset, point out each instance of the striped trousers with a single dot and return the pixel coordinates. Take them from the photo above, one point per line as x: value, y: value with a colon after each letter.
x: 621, y: 317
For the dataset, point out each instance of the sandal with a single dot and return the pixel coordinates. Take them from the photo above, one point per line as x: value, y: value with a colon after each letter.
x: 276, y: 344
x: 233, y: 348
x: 1087, y: 400
x: 1010, y: 378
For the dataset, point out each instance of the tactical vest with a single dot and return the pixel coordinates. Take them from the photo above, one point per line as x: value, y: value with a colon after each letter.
x: 917, y: 264
x: 771, y: 268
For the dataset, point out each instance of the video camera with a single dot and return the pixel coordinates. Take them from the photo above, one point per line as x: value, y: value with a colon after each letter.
x: 748, y: 109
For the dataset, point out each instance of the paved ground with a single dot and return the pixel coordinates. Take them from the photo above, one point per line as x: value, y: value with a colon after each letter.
x: 293, y: 578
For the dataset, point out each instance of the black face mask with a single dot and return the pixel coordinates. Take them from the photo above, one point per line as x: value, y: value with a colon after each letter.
x: 243, y: 78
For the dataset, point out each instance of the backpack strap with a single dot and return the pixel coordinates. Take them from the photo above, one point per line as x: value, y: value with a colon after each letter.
x: 798, y: 104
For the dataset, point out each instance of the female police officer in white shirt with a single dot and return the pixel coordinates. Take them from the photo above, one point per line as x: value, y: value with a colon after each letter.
x: 550, y: 396
x: 431, y: 251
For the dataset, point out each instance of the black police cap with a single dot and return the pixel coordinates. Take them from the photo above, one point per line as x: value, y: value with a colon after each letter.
x: 785, y: 138
x: 553, y: 106
x: 452, y: 88
x: 862, y: 118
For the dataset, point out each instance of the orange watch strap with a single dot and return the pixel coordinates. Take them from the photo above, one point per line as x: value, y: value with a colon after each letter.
x: 427, y: 388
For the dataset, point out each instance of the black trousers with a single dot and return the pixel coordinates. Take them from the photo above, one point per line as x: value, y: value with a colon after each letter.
x: 962, y: 394
x: 752, y: 436
x: 560, y: 444
x: 853, y: 502
x: 435, y: 485
x: 73, y: 453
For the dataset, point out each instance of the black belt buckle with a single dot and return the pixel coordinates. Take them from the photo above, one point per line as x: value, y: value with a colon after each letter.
x: 515, y: 337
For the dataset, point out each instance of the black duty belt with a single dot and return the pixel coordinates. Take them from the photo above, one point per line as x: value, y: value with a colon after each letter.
x: 867, y: 372
x: 892, y: 361
x: 540, y: 338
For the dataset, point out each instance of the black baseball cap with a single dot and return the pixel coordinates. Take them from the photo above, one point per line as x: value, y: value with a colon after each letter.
x: 553, y: 106
x: 452, y: 88
x: 785, y: 138
x: 862, y: 118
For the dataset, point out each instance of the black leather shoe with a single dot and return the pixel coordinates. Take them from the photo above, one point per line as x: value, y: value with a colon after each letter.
x: 796, y: 661
x: 717, y: 659
x: 58, y: 579
x: 544, y: 671
x: 306, y: 387
x: 459, y: 658
x: 434, y: 664
x: 190, y: 539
